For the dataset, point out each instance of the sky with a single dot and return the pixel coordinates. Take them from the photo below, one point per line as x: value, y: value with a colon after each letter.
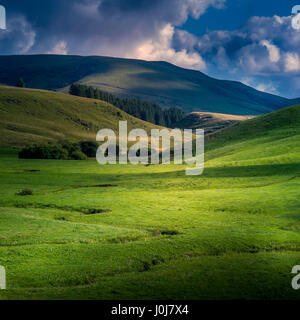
x: 251, y: 41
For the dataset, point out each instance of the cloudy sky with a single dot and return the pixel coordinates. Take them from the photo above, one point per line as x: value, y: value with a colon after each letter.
x: 247, y: 40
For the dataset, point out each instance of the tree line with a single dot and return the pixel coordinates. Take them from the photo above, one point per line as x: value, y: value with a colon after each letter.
x: 144, y: 110
x: 62, y: 150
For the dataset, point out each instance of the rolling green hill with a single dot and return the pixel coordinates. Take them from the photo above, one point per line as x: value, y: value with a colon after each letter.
x: 28, y: 116
x: 159, y: 82
x: 271, y: 139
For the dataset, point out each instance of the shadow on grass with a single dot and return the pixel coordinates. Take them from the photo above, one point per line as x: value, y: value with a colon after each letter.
x: 231, y: 171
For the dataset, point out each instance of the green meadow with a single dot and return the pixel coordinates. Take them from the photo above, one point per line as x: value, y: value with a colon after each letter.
x: 151, y: 232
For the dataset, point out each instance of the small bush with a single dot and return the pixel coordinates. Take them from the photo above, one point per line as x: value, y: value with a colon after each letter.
x: 78, y: 155
x: 61, y: 218
x: 25, y: 192
x: 69, y: 146
x: 89, y: 148
x: 21, y: 83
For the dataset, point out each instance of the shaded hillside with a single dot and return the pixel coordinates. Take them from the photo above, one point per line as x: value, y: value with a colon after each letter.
x: 158, y: 82
x: 28, y: 116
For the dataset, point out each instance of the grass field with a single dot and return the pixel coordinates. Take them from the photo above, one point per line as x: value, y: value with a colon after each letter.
x: 232, y: 233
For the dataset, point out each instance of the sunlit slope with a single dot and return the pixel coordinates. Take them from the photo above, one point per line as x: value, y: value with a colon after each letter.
x: 28, y: 116
x: 210, y: 122
x: 272, y: 138
x: 159, y: 82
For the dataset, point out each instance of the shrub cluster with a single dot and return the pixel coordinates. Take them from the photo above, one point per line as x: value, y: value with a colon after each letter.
x: 25, y: 192
x: 62, y: 150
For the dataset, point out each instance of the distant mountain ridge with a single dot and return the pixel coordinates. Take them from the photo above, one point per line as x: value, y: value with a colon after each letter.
x: 158, y: 82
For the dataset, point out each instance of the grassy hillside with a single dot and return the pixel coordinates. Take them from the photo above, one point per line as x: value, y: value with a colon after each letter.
x: 232, y: 233
x: 154, y: 81
x: 28, y: 116
x: 272, y: 138
x: 210, y: 122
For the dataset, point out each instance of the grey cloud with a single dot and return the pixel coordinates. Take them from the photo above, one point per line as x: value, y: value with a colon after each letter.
x: 265, y: 51
x: 18, y: 38
x: 262, y: 46
x: 102, y: 26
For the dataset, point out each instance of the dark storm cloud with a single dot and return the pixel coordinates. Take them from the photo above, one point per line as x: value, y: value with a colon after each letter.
x: 96, y: 26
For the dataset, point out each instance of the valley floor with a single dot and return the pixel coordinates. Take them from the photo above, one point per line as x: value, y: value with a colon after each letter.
x: 232, y: 233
